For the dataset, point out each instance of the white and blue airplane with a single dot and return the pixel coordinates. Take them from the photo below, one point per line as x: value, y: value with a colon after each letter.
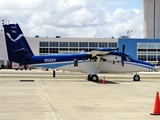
x: 100, y: 60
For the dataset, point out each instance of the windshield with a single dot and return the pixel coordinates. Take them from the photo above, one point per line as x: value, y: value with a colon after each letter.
x: 128, y: 58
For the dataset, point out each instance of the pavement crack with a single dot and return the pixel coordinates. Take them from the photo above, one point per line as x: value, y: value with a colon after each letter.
x: 47, y: 98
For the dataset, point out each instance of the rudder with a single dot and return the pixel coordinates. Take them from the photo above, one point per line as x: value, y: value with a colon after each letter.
x: 17, y: 46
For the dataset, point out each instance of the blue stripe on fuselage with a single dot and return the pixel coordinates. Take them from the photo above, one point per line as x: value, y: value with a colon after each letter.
x: 55, y: 58
x: 55, y: 65
x: 61, y: 64
x: 144, y: 65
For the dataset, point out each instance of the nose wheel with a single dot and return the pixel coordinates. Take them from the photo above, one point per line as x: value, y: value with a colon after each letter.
x: 136, y: 78
x: 92, y: 77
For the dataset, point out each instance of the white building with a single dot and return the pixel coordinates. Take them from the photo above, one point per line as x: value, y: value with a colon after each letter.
x: 50, y: 45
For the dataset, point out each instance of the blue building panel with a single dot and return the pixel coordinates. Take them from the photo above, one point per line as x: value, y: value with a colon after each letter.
x: 131, y: 44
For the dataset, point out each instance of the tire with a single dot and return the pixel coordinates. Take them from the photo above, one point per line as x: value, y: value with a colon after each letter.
x: 89, y: 77
x: 94, y: 78
x: 136, y: 78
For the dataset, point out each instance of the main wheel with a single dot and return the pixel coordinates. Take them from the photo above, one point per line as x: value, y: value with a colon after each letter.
x: 94, y: 77
x: 89, y: 77
x: 136, y: 78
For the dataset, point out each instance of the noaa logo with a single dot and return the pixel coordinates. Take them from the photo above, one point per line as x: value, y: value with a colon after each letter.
x: 14, y: 40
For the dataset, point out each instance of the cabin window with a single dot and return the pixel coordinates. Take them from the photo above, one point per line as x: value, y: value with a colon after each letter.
x: 128, y: 59
x: 112, y: 62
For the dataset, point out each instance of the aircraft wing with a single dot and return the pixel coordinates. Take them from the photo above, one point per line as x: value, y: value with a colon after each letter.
x: 101, y: 51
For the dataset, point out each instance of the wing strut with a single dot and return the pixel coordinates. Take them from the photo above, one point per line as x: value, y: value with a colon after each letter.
x: 98, y: 62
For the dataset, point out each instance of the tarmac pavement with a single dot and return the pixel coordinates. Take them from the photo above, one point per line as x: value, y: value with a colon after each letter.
x: 36, y: 95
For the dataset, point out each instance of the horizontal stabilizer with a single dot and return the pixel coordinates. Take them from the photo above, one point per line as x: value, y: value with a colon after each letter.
x: 20, y: 50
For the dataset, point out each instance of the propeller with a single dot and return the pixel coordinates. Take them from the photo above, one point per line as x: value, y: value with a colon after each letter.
x: 123, y: 55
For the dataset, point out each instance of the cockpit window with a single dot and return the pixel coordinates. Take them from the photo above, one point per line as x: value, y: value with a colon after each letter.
x: 128, y: 58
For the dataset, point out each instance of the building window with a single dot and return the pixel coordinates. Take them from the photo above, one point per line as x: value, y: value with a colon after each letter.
x: 141, y: 50
x: 112, y: 44
x: 151, y: 57
x: 73, y: 44
x: 142, y: 45
x: 103, y: 44
x: 83, y: 49
x: 53, y: 44
x: 63, y: 49
x: 53, y: 50
x: 63, y: 44
x: 43, y: 50
x: 83, y: 44
x: 73, y: 49
x: 90, y: 49
x: 158, y: 45
x: 142, y: 57
x: 152, y: 45
x: 43, y: 44
x: 149, y: 50
x: 93, y: 44
x: 158, y: 57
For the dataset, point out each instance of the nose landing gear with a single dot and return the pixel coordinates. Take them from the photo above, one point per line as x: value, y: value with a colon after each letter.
x: 136, y: 77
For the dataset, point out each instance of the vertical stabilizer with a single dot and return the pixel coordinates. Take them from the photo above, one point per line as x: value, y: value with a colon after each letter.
x: 17, y: 46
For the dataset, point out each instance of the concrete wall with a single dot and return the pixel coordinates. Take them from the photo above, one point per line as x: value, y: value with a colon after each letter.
x: 3, y: 52
x: 157, y: 19
x: 151, y: 19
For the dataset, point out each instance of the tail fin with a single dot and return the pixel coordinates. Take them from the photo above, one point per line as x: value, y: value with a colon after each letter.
x: 17, y: 46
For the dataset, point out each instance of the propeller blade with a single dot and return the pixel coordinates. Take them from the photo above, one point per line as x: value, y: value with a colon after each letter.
x: 122, y: 57
x: 122, y: 61
x: 123, y: 49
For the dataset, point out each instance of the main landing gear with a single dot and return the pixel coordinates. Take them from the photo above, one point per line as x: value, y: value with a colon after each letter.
x: 92, y: 77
